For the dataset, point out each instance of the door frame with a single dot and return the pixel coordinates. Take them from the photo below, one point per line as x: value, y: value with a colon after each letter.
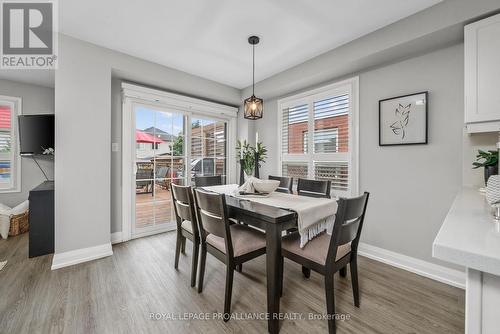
x: 134, y: 94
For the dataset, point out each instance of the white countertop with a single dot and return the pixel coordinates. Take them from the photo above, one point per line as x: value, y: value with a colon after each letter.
x: 468, y: 236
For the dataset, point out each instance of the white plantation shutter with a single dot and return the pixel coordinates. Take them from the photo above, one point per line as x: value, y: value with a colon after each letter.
x: 335, y: 171
x: 317, y: 136
x: 294, y: 123
x: 295, y: 169
x: 331, y: 128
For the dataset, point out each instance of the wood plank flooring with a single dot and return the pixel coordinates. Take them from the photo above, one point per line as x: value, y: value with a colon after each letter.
x: 117, y: 295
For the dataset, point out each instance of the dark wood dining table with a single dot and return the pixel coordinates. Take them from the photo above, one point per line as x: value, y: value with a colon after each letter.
x: 273, y: 220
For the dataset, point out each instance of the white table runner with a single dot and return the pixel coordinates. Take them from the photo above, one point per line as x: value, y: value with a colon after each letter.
x: 314, y: 215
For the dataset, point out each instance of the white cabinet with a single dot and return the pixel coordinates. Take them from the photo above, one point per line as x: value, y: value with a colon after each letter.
x: 482, y: 75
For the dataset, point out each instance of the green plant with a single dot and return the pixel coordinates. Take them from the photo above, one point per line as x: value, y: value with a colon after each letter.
x: 262, y: 150
x: 246, y: 155
x: 178, y: 146
x: 483, y: 159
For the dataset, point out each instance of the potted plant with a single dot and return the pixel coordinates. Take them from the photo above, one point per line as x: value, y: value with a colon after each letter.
x: 488, y: 160
x: 246, y: 154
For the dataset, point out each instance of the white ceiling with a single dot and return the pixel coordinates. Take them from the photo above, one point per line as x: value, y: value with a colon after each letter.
x: 208, y: 38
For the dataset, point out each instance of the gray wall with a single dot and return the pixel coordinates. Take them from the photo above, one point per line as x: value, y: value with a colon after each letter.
x: 88, y: 184
x: 35, y: 100
x: 412, y: 187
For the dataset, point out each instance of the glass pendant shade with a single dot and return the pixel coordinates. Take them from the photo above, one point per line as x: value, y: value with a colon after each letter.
x: 254, y: 108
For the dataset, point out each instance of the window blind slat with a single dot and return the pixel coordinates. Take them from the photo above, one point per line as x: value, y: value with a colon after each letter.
x: 294, y: 124
x: 335, y: 171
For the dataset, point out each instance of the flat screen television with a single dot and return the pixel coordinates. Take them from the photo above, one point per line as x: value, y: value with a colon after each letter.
x: 36, y: 133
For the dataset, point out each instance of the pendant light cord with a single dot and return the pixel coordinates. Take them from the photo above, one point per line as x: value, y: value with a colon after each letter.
x: 253, y: 69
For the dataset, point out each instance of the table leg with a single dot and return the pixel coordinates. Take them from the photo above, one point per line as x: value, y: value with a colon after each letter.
x: 273, y: 259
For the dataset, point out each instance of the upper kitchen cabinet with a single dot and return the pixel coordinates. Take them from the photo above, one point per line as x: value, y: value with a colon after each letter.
x: 482, y: 75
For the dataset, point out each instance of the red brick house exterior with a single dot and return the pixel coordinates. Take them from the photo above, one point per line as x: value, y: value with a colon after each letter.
x: 296, y: 133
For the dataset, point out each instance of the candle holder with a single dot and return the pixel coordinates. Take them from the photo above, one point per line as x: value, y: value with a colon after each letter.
x: 242, y: 172
x: 256, y: 168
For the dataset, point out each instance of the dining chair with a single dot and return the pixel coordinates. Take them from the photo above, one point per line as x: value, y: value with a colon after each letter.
x: 187, y: 225
x: 207, y: 181
x: 286, y: 183
x: 232, y: 244
x: 313, y: 188
x: 327, y: 254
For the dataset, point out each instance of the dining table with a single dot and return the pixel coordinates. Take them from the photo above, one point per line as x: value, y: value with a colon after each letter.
x: 273, y: 221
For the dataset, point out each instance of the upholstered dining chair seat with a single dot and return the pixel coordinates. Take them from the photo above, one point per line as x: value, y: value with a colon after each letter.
x: 245, y: 240
x: 315, y: 250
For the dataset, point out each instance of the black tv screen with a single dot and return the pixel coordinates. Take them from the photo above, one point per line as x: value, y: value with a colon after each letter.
x: 36, y: 133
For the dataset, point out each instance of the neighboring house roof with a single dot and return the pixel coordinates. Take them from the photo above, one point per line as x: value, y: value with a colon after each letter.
x: 163, y: 135
x: 5, y: 117
x: 142, y: 137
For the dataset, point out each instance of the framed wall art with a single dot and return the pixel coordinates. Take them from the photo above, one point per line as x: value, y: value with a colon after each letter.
x: 403, y: 120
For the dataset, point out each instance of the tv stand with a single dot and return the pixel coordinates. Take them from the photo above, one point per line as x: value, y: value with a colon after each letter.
x: 41, y: 219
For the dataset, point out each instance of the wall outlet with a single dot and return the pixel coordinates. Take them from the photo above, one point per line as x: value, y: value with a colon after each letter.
x: 115, y: 147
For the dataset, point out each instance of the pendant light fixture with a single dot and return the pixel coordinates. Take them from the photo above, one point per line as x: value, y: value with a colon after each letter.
x: 253, y: 106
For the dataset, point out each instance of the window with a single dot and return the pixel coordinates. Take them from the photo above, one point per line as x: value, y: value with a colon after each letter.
x: 10, y: 175
x: 318, y: 139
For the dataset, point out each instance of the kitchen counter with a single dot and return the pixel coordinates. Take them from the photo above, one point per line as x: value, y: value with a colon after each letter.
x: 470, y: 237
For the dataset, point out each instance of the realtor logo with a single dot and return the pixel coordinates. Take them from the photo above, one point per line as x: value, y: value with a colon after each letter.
x: 29, y: 34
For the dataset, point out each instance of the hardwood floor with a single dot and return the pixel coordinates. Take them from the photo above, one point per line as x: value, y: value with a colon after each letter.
x: 118, y: 293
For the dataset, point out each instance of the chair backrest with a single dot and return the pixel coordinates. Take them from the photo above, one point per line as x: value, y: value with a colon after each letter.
x: 212, y: 216
x: 313, y: 188
x: 182, y: 197
x: 348, y: 224
x: 286, y: 183
x: 143, y: 174
x: 207, y: 181
x: 162, y: 172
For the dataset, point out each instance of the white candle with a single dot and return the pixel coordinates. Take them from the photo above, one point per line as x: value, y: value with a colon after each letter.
x: 256, y: 138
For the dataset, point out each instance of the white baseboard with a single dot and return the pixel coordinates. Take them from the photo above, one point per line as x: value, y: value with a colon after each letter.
x: 76, y: 256
x: 430, y: 270
x: 116, y: 237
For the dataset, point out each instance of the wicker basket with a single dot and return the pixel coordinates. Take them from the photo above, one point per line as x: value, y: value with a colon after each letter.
x: 19, y: 224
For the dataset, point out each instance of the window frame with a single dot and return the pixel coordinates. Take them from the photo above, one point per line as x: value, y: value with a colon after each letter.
x: 16, y: 176
x: 348, y: 86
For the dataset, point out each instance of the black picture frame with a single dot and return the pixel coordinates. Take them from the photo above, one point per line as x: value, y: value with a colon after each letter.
x: 426, y: 113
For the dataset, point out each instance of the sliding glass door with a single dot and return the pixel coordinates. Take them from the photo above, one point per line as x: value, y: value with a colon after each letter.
x: 170, y: 146
x: 160, y: 159
x: 169, y: 139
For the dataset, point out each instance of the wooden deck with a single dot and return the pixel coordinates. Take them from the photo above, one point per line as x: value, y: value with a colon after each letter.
x: 153, y: 210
